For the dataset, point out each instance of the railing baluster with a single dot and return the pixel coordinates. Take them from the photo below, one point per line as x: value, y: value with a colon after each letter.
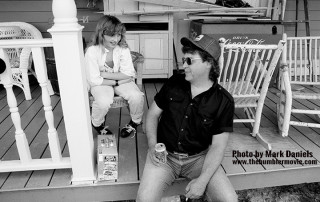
x: 20, y: 136
x: 40, y: 67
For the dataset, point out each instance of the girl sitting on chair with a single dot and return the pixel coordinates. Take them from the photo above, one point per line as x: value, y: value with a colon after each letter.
x: 109, y: 71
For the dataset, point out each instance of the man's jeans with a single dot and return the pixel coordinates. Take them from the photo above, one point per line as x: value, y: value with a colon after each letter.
x: 156, y: 179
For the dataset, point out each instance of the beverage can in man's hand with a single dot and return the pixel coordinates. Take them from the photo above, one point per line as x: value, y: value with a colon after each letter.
x: 161, y: 152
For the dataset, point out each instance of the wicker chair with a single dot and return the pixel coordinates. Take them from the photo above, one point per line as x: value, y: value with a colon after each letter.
x: 21, y: 58
x: 299, y: 78
x: 246, y: 71
x: 118, y: 101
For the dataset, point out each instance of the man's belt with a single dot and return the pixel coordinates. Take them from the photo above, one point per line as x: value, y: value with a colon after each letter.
x: 185, y: 154
x: 181, y: 154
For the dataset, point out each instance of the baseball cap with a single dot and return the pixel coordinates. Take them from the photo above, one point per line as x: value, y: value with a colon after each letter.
x: 205, y: 43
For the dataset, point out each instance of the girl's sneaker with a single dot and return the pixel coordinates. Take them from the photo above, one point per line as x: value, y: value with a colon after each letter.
x: 126, y: 131
x: 102, y: 129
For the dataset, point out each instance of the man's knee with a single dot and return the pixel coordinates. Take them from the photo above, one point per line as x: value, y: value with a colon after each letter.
x: 220, y: 188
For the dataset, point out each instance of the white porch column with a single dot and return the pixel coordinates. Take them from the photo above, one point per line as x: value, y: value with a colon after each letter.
x: 67, y: 44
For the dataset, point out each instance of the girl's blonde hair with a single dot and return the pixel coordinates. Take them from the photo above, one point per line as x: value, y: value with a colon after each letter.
x: 109, y: 25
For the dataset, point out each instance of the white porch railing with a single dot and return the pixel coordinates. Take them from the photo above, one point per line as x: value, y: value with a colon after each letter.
x: 26, y: 162
x: 67, y: 44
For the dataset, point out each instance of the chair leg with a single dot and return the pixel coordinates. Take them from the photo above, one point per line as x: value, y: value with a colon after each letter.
x: 263, y: 142
x: 250, y: 115
x: 257, y: 119
x: 25, y: 83
x: 283, y: 115
x: 256, y: 115
x: 284, y: 105
x: 27, y: 93
x: 143, y: 124
x: 49, y: 87
x: 317, y: 116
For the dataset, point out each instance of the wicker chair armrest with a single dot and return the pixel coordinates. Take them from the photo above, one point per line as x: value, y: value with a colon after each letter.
x: 136, y: 58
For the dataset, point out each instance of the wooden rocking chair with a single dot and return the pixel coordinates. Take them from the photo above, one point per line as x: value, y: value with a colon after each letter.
x: 21, y: 58
x: 301, y: 72
x: 246, y: 71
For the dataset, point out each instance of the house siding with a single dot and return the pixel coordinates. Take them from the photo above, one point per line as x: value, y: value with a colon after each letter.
x: 39, y: 14
x: 314, y: 18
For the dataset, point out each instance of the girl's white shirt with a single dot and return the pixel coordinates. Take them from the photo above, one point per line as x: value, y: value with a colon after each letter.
x: 95, y: 58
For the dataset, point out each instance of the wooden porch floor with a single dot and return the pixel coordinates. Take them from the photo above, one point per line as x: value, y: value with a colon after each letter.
x: 55, y: 185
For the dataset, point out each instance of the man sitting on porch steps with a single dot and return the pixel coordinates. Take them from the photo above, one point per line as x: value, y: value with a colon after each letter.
x: 193, y: 116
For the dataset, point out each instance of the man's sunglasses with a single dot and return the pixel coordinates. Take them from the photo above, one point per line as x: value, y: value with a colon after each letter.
x: 189, y: 60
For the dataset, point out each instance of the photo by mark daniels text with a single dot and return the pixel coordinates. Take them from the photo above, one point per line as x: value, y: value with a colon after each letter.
x: 283, y: 157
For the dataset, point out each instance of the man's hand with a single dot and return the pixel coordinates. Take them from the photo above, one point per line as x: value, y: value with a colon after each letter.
x: 153, y: 157
x: 195, y: 189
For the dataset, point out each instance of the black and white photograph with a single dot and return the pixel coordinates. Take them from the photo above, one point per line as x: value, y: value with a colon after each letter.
x: 159, y: 101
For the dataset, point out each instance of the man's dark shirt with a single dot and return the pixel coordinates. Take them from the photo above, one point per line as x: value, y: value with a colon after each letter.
x: 187, y: 125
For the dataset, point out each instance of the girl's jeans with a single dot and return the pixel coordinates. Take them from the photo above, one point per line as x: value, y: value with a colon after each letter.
x: 103, y: 98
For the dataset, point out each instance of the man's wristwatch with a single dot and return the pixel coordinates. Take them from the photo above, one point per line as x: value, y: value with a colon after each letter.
x: 117, y: 84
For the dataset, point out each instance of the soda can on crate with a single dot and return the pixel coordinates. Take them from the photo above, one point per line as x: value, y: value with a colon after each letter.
x: 161, y: 152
